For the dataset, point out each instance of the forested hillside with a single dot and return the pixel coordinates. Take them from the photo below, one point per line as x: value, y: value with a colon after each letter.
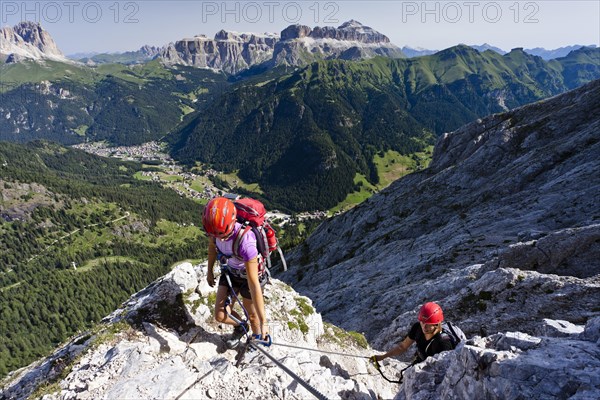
x: 304, y: 136
x: 79, y: 235
x: 124, y: 105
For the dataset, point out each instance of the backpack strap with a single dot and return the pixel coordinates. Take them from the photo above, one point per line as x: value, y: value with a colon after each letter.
x: 235, y: 248
x: 453, y: 331
x: 238, y: 240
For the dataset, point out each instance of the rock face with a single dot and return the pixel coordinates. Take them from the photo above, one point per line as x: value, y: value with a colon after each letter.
x: 233, y: 52
x: 228, y: 51
x: 150, y: 51
x: 502, y: 228
x: 28, y: 40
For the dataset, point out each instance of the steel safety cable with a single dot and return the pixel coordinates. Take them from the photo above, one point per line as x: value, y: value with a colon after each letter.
x: 301, y: 381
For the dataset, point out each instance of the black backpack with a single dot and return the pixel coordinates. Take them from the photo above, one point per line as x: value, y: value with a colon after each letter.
x: 455, y: 334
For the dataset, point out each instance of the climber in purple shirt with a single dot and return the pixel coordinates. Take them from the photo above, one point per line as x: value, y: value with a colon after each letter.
x: 247, y: 278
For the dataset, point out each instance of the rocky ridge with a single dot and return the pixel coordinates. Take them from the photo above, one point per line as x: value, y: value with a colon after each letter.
x: 28, y: 40
x: 164, y: 344
x: 228, y: 51
x: 297, y: 45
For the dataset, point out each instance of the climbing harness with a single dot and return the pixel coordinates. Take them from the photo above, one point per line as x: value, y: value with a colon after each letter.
x: 378, y: 368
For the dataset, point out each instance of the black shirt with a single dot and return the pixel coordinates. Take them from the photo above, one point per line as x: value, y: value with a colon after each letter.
x: 426, y: 348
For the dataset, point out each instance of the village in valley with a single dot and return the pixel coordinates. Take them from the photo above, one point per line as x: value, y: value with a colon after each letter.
x: 195, y: 183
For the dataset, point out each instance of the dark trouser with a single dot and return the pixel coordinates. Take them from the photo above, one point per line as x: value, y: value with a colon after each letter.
x: 240, y: 285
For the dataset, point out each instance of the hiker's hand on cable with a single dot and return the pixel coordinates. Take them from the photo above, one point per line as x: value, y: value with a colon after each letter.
x: 377, y: 357
x: 264, y: 330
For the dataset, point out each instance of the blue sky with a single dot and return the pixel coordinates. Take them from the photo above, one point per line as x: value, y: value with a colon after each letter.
x: 99, y: 26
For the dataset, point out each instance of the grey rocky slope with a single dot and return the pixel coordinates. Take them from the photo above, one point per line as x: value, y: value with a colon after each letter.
x: 28, y: 40
x: 163, y: 345
x: 503, y: 228
x: 228, y: 51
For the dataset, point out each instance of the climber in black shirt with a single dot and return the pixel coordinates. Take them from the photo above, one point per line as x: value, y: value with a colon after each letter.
x: 427, y: 333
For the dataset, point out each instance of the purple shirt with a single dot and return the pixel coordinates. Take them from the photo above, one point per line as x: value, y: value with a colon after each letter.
x: 248, y: 249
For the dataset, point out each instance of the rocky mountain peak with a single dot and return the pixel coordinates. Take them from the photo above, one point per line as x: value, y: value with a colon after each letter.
x: 226, y: 35
x: 301, y: 45
x: 150, y: 51
x: 28, y: 40
x: 295, y: 32
x: 351, y: 31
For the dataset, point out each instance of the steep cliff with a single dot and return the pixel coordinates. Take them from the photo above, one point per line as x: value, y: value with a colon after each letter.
x: 228, y: 51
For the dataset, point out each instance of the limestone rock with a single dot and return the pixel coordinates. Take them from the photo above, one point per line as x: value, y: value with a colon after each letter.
x: 535, y: 368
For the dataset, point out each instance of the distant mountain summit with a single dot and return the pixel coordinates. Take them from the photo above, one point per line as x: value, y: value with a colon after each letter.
x: 300, y: 44
x: 297, y: 45
x: 28, y: 40
x: 486, y: 46
x: 555, y: 53
x: 411, y: 52
x: 537, y: 51
x: 144, y: 54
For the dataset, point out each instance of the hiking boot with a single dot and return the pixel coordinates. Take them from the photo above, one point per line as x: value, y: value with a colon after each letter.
x: 238, y: 332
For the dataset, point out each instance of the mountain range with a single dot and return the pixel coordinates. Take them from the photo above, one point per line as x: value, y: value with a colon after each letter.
x: 274, y: 126
x: 501, y: 229
x: 538, y: 51
x: 305, y: 136
x: 233, y: 52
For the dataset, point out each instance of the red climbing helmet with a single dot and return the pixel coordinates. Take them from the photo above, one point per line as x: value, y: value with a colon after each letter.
x: 431, y: 313
x: 219, y: 217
